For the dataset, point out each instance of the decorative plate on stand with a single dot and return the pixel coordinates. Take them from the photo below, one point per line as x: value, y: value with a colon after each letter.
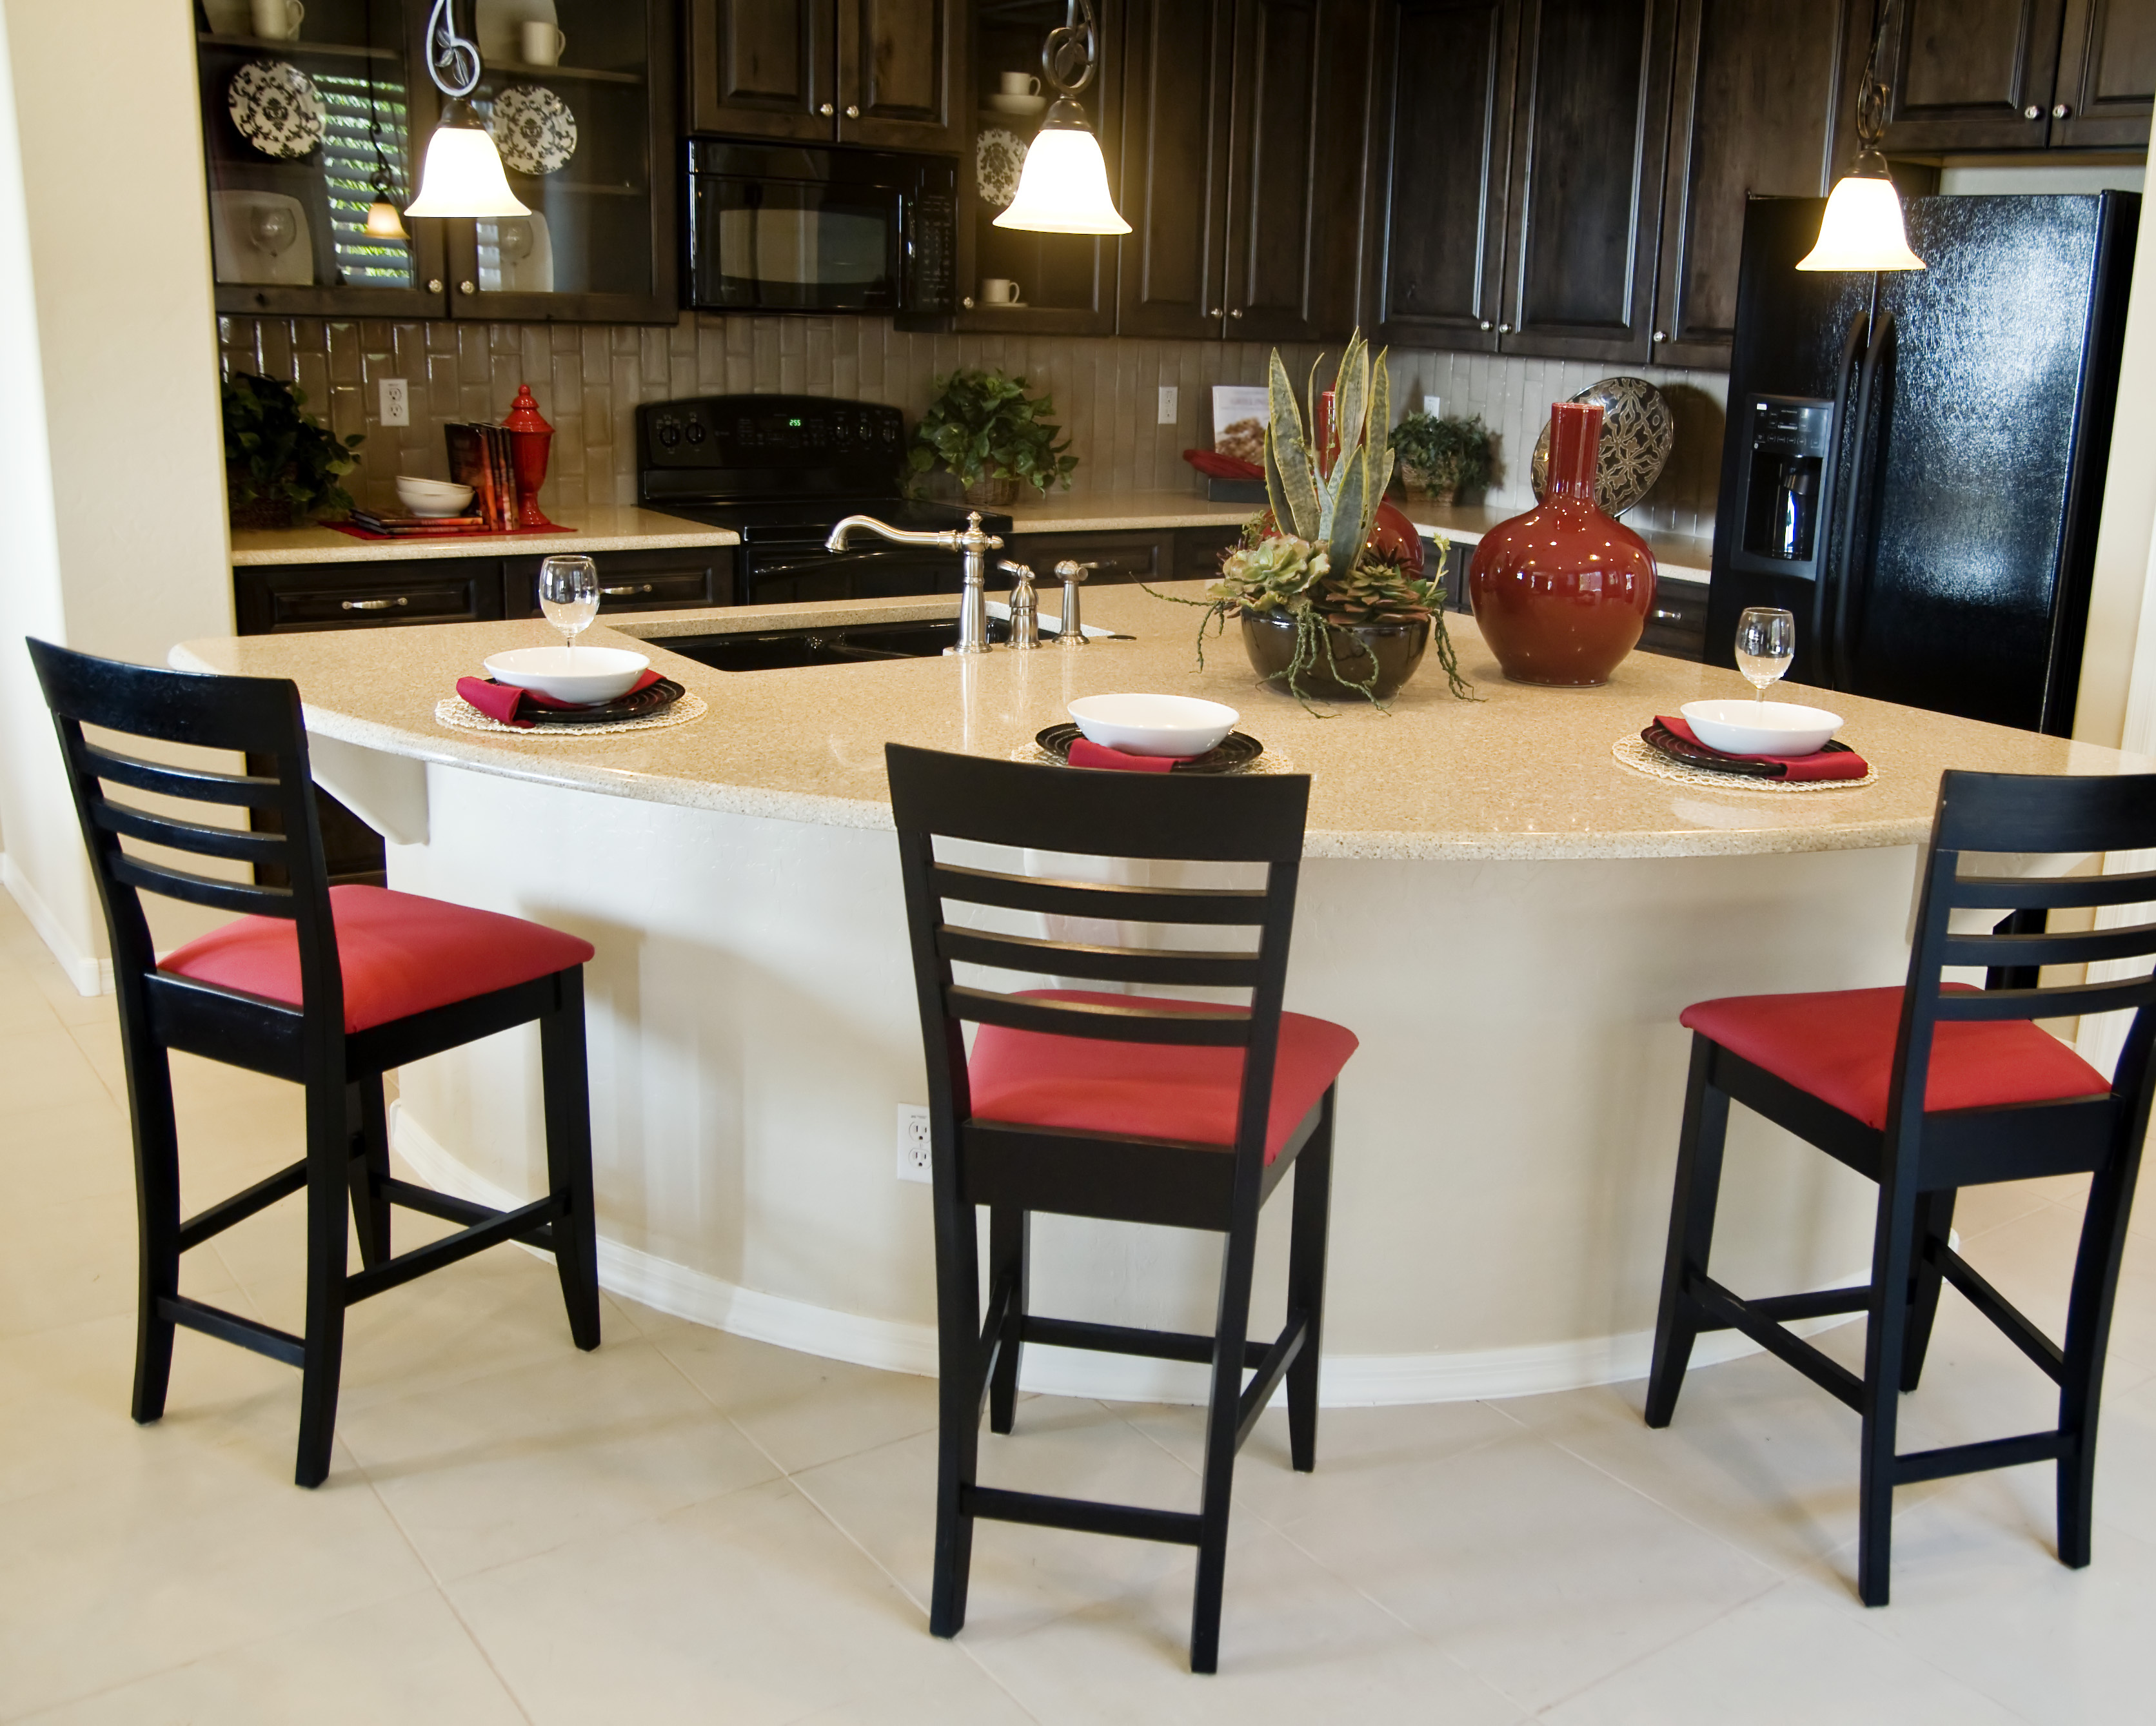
x: 1638, y: 432
x: 533, y: 129
x: 276, y: 107
x: 998, y: 160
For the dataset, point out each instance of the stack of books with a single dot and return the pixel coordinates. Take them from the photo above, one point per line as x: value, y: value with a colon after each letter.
x: 478, y: 457
x: 418, y: 527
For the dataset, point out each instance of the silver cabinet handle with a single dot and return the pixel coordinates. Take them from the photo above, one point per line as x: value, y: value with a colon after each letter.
x: 1661, y: 616
x: 852, y: 112
x: 626, y: 592
x: 377, y: 605
x: 435, y: 285
x: 2032, y: 112
x: 1216, y: 313
x: 1485, y: 324
x: 466, y: 287
x: 1661, y: 335
x: 2061, y: 111
x: 1236, y: 313
x: 827, y: 111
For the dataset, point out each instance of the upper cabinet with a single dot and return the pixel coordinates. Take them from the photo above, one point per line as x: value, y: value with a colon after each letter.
x: 2021, y: 74
x: 887, y: 74
x: 298, y: 130
x: 1245, y: 129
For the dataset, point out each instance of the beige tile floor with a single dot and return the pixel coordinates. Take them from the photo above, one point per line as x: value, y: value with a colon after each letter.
x: 686, y: 1526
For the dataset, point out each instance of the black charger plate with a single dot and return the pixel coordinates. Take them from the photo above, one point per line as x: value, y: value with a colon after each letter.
x: 1660, y: 738
x: 1237, y: 750
x: 637, y: 705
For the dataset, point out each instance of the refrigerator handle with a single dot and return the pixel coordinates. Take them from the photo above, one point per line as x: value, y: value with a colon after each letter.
x: 1878, y: 345
x: 1835, y: 509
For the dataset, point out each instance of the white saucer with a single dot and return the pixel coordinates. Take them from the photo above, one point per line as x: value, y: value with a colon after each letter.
x: 1003, y: 104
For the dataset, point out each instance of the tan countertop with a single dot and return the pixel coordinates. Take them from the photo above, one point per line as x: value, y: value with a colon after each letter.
x: 598, y: 528
x: 1522, y: 774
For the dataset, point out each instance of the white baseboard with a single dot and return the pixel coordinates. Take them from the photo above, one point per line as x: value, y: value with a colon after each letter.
x: 90, y: 975
x: 1344, y: 1381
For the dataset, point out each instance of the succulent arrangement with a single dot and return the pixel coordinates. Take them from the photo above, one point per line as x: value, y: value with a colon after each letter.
x: 1308, y: 557
x: 1442, y: 458
x: 983, y: 427
x: 281, y: 463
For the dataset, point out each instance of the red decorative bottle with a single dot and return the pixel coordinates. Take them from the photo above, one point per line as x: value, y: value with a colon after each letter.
x: 530, y: 440
x: 1561, y: 593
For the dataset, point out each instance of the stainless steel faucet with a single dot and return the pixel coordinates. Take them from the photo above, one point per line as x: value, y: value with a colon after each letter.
x: 972, y: 546
x: 1024, y: 606
x: 1069, y: 633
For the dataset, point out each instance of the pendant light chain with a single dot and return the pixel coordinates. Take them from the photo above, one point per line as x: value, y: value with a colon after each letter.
x: 453, y: 61
x: 1872, y: 93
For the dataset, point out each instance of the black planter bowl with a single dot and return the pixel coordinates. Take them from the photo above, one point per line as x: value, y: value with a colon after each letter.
x: 1392, y: 650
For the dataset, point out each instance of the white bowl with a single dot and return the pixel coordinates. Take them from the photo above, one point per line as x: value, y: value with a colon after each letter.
x: 1154, y: 725
x: 1761, y: 728
x: 586, y: 679
x: 433, y: 497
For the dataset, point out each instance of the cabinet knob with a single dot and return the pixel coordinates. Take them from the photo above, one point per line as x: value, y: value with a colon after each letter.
x: 2032, y: 112
x: 1504, y: 329
x: 466, y: 287
x: 1661, y: 335
x: 852, y: 112
x: 827, y: 111
x: 1236, y: 313
x: 435, y: 285
x: 2061, y: 111
x: 1485, y: 324
x: 967, y: 302
x: 1216, y: 313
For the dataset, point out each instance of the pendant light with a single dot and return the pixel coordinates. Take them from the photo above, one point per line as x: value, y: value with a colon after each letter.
x: 1862, y: 227
x: 382, y: 221
x: 1063, y: 187
x: 462, y: 175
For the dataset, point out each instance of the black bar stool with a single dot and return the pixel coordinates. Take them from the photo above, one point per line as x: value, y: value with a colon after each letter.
x: 329, y: 987
x: 1125, y: 1107
x: 2002, y: 1100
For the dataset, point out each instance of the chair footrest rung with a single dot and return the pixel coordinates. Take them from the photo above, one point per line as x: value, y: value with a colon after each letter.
x: 230, y: 1328
x: 1087, y: 1516
x: 2010, y: 1320
x: 1279, y: 1357
x: 529, y: 1223
x: 1731, y: 1313
x: 442, y: 1205
x: 1124, y: 1339
x: 1914, y: 1466
x: 241, y: 1206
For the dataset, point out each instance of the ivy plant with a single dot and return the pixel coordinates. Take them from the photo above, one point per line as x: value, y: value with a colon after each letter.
x: 983, y: 425
x: 276, y: 452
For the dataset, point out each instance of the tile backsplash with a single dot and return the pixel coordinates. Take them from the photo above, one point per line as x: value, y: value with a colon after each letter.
x: 588, y: 380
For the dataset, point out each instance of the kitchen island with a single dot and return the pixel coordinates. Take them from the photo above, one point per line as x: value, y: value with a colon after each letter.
x: 1509, y: 920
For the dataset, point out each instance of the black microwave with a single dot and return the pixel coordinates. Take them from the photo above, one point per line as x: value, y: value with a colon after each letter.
x: 795, y: 229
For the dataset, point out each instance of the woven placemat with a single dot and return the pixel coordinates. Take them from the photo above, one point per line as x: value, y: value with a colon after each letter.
x: 1273, y: 760
x: 1637, y: 754
x: 458, y: 714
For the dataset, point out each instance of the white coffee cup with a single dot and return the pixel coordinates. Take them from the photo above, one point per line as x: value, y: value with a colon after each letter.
x: 277, y: 20
x: 1018, y: 84
x: 999, y: 290
x: 543, y: 42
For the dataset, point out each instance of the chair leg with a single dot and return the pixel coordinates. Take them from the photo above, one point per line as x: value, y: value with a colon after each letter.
x: 1934, y: 1223
x: 959, y: 1393
x: 368, y: 1167
x: 157, y: 1212
x: 1692, y: 1231
x: 328, y: 1192
x: 567, y: 1102
x: 2088, y: 1334
x: 1305, y: 1284
x: 1886, y: 1348
x: 1010, y: 1254
x: 1239, y: 1254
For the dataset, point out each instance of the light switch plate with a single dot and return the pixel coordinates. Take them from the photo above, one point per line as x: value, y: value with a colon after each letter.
x: 396, y: 403
x: 1168, y: 414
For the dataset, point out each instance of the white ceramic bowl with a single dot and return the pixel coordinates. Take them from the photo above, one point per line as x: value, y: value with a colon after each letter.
x: 1154, y: 725
x: 1761, y: 728
x: 433, y: 497
x: 591, y: 676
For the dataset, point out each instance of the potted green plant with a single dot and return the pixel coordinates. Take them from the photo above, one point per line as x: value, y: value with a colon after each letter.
x: 1324, y: 612
x: 1440, y: 458
x: 984, y: 428
x: 281, y: 464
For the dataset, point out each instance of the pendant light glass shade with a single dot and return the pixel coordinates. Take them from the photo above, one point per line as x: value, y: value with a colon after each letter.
x: 383, y: 223
x: 462, y: 175
x: 1862, y: 229
x: 1063, y: 188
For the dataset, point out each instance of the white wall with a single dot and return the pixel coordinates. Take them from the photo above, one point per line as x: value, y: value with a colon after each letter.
x: 111, y: 468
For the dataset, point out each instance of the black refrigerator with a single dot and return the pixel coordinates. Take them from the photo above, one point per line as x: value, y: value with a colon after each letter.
x: 1914, y: 461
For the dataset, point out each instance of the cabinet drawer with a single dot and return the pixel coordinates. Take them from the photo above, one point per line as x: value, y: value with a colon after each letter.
x: 1120, y: 557
x: 639, y: 581
x: 1198, y: 550
x: 279, y: 601
x: 1677, y: 624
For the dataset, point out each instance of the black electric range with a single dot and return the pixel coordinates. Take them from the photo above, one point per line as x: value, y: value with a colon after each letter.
x: 780, y: 470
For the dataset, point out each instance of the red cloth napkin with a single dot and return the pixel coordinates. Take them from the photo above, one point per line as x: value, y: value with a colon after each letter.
x: 1823, y: 765
x: 1086, y: 753
x: 1222, y: 467
x: 500, y: 702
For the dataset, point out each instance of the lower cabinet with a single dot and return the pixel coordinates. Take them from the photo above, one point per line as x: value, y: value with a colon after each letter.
x: 1677, y: 625
x: 669, y: 581
x: 1163, y: 554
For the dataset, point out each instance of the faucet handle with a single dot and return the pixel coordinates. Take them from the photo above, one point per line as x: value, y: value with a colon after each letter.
x: 1071, y: 572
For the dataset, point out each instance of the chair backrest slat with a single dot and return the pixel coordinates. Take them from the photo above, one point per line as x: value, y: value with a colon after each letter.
x: 203, y: 889
x: 196, y: 784
x: 1222, y: 1027
x: 2062, y: 1000
x: 1112, y: 900
x: 235, y: 843
x: 1073, y: 959
x: 2069, y: 947
x: 2050, y: 892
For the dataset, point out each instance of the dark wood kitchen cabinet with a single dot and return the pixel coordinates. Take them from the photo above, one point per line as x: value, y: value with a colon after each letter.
x: 1244, y: 140
x: 1971, y: 75
x: 888, y: 74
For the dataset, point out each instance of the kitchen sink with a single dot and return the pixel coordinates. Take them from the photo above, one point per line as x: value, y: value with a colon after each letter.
x: 852, y: 644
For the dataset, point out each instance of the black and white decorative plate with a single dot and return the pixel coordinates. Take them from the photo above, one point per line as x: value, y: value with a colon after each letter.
x: 1638, y: 432
x: 998, y: 160
x: 534, y: 130
x: 276, y: 107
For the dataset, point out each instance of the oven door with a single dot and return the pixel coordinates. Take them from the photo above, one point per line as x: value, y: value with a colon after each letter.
x: 761, y: 244
x: 781, y: 575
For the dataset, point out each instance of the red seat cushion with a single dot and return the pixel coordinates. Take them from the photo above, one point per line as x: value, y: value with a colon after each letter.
x: 401, y: 954
x: 1839, y: 1045
x: 1146, y: 1090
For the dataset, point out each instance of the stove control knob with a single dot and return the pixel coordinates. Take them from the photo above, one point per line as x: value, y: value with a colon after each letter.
x: 697, y: 434
x: 670, y: 433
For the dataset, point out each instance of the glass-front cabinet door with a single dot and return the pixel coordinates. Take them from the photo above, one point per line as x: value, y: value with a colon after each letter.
x: 308, y: 117
x: 579, y: 94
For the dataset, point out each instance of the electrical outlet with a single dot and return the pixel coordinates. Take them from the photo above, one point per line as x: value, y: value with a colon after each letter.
x: 1430, y: 405
x: 1168, y: 394
x: 913, y: 1156
x: 396, y: 403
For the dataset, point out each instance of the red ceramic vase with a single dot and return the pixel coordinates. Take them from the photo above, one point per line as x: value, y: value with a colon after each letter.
x: 1561, y: 593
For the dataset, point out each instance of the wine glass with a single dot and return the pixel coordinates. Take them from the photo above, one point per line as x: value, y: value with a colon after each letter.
x: 569, y: 595
x: 1766, y: 643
